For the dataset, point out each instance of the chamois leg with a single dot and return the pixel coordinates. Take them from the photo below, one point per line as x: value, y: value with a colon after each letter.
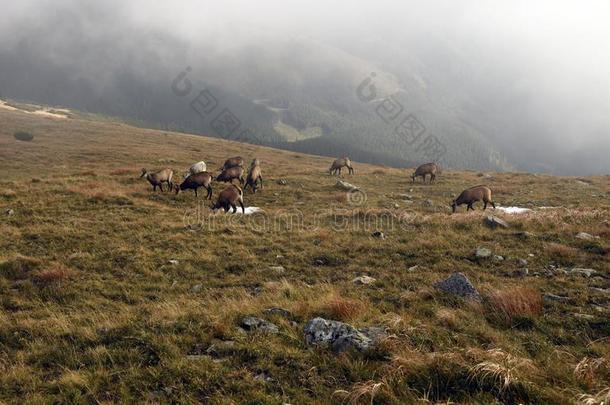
x: 261, y: 179
x: 243, y: 209
x: 493, y: 204
x: 484, y: 205
x: 469, y: 207
x: 234, y: 207
x: 209, y: 192
x: 196, y: 192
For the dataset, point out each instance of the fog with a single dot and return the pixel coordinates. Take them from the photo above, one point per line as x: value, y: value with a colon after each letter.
x: 532, y: 77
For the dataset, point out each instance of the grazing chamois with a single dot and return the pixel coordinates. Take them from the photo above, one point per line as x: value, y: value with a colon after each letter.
x: 194, y: 181
x: 236, y: 161
x: 229, y: 198
x: 228, y: 175
x: 254, y: 176
x: 196, y: 168
x: 471, y: 196
x: 424, y: 170
x: 158, y: 178
x: 340, y: 163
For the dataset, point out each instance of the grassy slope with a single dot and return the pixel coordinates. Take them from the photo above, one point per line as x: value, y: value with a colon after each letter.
x: 91, y: 310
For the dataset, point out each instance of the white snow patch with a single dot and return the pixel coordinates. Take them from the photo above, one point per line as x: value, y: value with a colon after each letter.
x: 514, y: 210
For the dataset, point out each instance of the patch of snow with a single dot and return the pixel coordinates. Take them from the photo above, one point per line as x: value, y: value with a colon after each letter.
x: 514, y: 210
x: 250, y: 210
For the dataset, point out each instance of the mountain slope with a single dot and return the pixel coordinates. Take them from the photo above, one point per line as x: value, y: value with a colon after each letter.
x: 112, y: 293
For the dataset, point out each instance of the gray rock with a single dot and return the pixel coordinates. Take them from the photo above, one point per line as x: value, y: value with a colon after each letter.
x: 495, y: 222
x: 173, y: 262
x: 521, y: 272
x: 585, y: 236
x: 524, y: 235
x: 344, y: 185
x: 583, y: 272
x: 557, y: 298
x: 196, y: 288
x: 278, y: 269
x: 413, y: 268
x: 378, y: 234
x: 364, y: 280
x: 341, y: 336
x: 428, y: 203
x: 406, y: 196
x: 276, y: 311
x: 281, y: 182
x: 522, y: 262
x: 458, y: 284
x: 482, y: 253
x: 251, y: 323
x: 9, y: 212
x: 498, y: 258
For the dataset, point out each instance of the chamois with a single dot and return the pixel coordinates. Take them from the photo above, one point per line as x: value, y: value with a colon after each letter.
x: 340, y: 163
x: 254, y: 175
x: 196, y: 168
x: 158, y: 178
x: 228, y: 175
x: 236, y: 161
x: 472, y: 195
x: 229, y: 198
x: 425, y: 169
x: 194, y: 181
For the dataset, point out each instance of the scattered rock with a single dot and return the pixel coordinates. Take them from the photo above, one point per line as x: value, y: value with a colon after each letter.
x: 605, y: 291
x: 278, y: 269
x: 364, y: 280
x: 406, y: 196
x: 396, y: 206
x: 524, y: 235
x: 522, y: 262
x: 378, y: 234
x: 251, y: 323
x: 521, y: 272
x: 281, y: 182
x: 428, y: 203
x: 495, y: 222
x: 341, y: 336
x: 557, y: 298
x: 344, y: 185
x: 196, y: 288
x: 584, y: 272
x: 276, y: 311
x: 173, y: 262
x: 585, y: 236
x: 586, y: 317
x: 482, y: 253
x: 458, y: 284
x: 410, y: 190
x: 413, y: 268
x: 9, y: 212
x: 498, y: 258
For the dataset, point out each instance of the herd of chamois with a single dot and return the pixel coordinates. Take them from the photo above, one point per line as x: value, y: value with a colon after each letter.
x: 197, y: 177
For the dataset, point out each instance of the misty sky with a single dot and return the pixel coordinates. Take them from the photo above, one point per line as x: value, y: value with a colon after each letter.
x: 545, y: 63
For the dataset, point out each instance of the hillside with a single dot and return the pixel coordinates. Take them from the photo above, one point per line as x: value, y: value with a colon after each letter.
x: 112, y: 293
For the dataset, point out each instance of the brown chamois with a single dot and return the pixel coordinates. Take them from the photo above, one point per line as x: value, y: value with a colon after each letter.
x: 424, y: 170
x: 236, y: 161
x: 229, y: 198
x: 254, y: 176
x: 194, y: 181
x: 472, y: 195
x: 340, y: 163
x: 158, y: 178
x: 228, y: 175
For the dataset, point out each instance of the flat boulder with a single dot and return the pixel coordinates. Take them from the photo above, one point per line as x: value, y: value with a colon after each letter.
x: 344, y: 185
x: 482, y: 253
x: 364, y: 280
x: 458, y: 284
x: 341, y: 337
x: 251, y: 324
x: 495, y: 222
x: 583, y: 272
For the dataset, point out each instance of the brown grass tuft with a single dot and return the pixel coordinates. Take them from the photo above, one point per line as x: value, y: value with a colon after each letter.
x: 557, y: 249
x: 343, y: 309
x: 510, y: 304
x: 55, y: 275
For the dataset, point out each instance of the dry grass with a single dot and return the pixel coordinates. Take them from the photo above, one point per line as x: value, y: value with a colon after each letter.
x: 53, y: 276
x: 343, y: 309
x: 502, y: 369
x: 513, y: 303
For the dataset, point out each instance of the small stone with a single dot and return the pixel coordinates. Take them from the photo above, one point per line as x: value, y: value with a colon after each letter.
x: 583, y: 272
x: 364, y: 280
x: 341, y: 336
x: 413, y: 268
x: 585, y: 236
x: 173, y: 262
x: 586, y: 317
x: 557, y: 298
x: 406, y: 196
x: 276, y: 311
x: 281, y: 182
x: 522, y: 262
x: 521, y: 272
x: 251, y: 323
x: 9, y: 212
x: 524, y: 235
x: 495, y: 222
x: 458, y: 284
x: 498, y: 258
x: 378, y: 234
x: 428, y: 203
x: 196, y: 288
x: 278, y: 269
x: 482, y: 253
x: 396, y: 206
x: 344, y: 185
